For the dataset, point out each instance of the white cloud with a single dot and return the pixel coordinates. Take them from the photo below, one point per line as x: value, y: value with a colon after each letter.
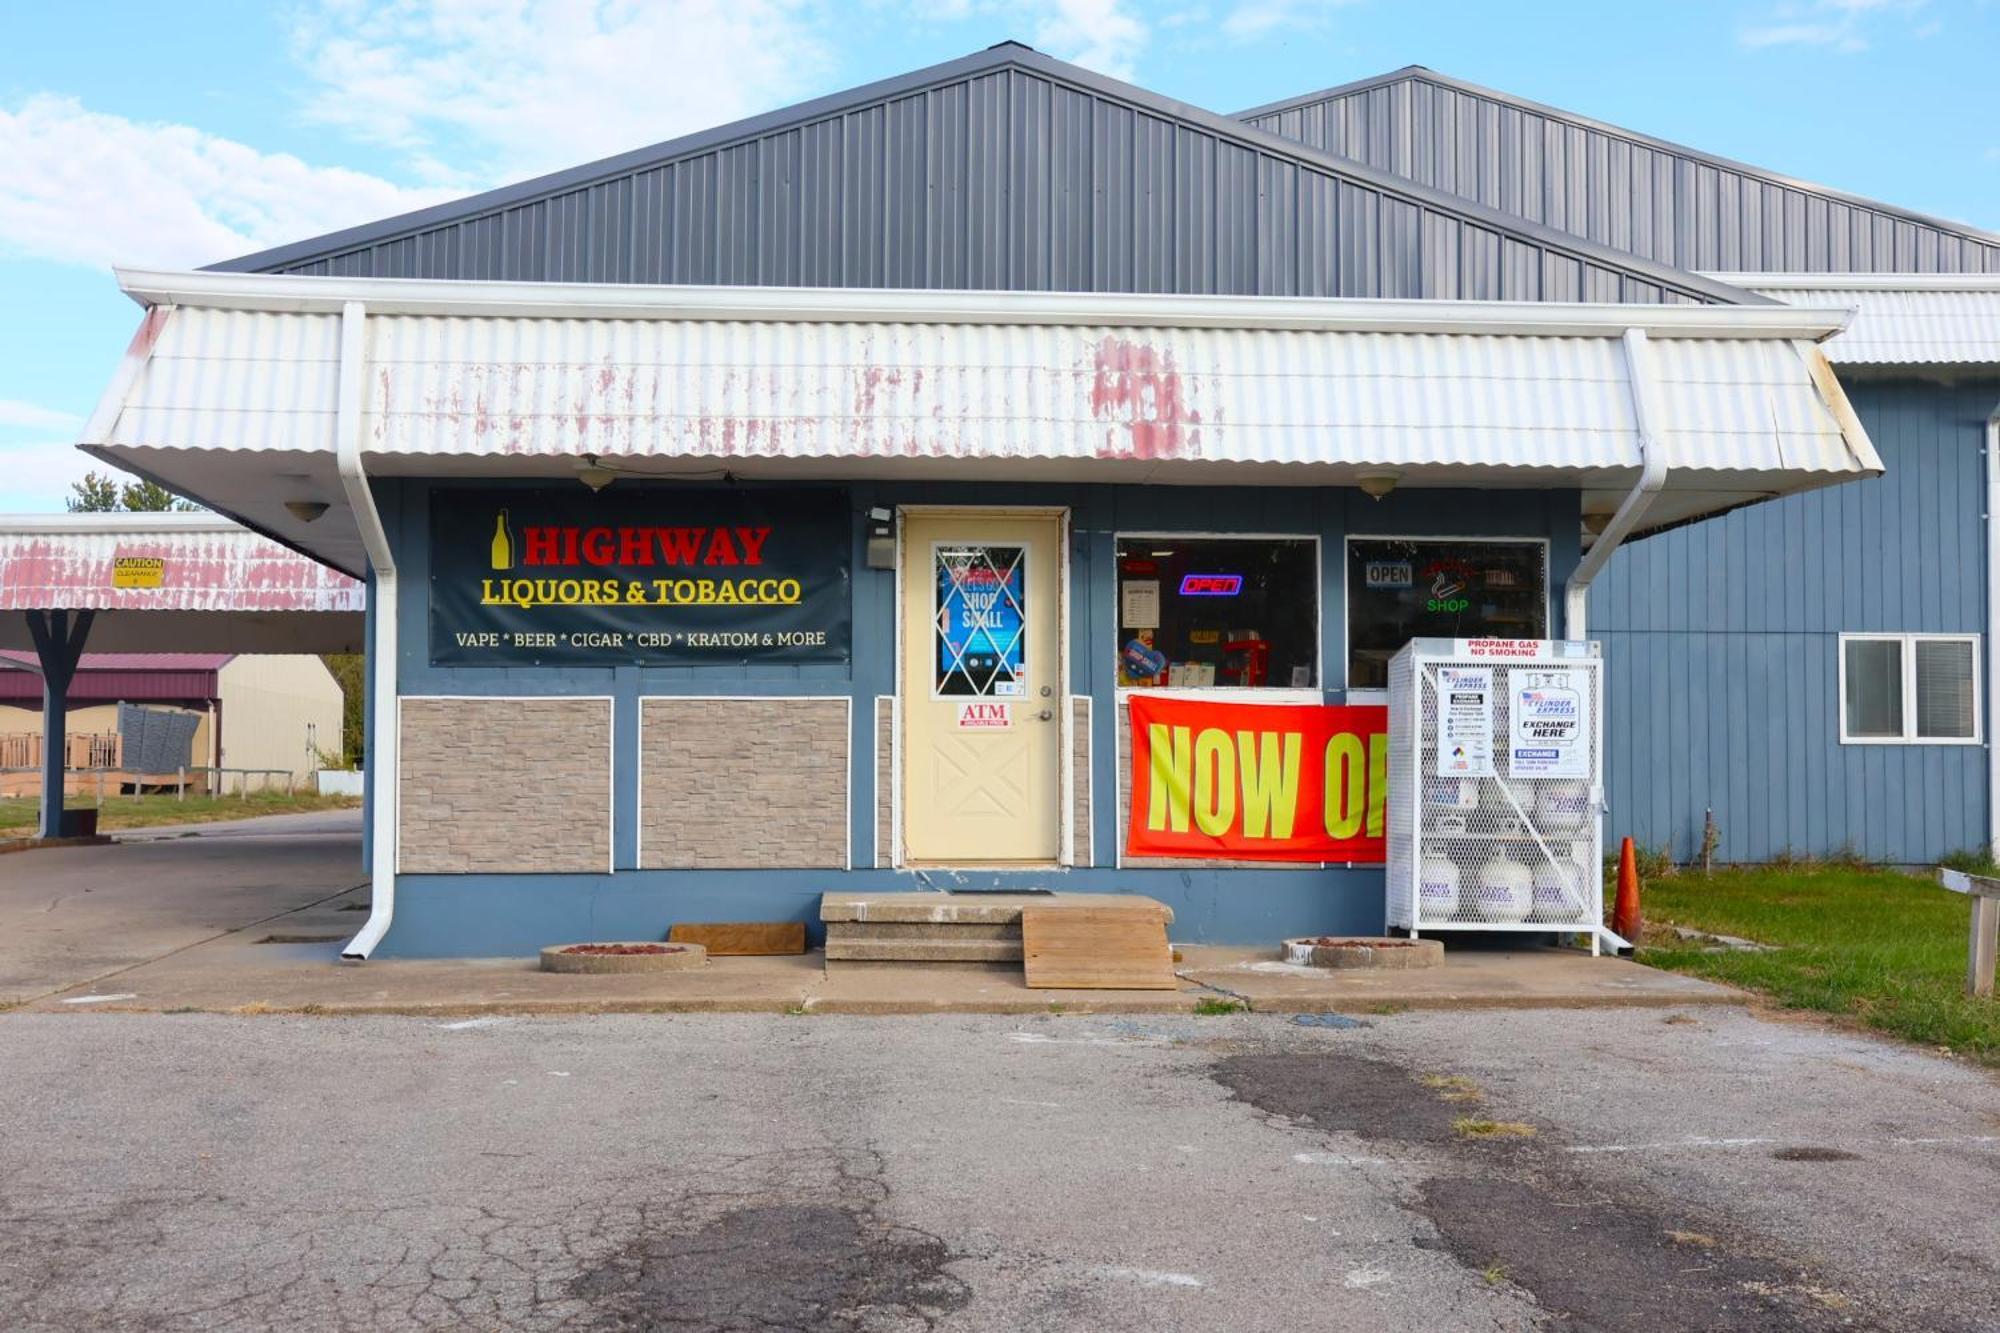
x: 473, y: 92
x: 1846, y: 26
x: 36, y: 477
x: 1252, y: 20
x: 33, y: 416
x: 83, y: 187
x: 1098, y: 34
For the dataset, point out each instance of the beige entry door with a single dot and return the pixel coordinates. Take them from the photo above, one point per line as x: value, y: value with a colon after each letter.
x: 982, y: 688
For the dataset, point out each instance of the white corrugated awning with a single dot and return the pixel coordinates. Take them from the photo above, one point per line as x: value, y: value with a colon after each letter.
x: 461, y: 379
x: 173, y: 582
x: 1900, y: 319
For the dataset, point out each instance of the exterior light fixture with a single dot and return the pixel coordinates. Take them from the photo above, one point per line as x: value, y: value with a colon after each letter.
x: 594, y: 474
x: 1595, y: 524
x: 1375, y: 485
x: 305, y: 511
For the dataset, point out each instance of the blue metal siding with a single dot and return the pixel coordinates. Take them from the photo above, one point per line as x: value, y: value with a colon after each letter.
x: 1722, y: 644
x: 510, y: 914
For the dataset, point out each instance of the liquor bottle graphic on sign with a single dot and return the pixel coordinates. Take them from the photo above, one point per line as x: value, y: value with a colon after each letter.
x: 503, y: 542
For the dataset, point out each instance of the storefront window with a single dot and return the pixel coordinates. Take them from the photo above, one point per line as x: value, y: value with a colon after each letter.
x: 982, y: 623
x: 1402, y: 590
x: 1218, y: 611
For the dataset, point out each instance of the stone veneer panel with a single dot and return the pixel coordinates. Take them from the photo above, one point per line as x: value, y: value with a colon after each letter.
x: 885, y: 780
x: 743, y: 784
x: 1079, y: 780
x: 504, y: 786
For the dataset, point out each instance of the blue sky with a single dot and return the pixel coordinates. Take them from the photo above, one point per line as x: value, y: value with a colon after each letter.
x: 182, y: 134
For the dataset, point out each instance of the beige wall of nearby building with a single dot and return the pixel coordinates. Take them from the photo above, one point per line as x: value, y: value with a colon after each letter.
x: 274, y: 708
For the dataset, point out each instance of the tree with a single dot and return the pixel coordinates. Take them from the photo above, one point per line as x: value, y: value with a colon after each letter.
x: 350, y: 669
x: 100, y: 493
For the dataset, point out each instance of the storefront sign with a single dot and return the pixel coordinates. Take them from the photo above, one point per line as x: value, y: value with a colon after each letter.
x: 1269, y: 782
x: 638, y: 575
x: 1465, y: 722
x: 1551, y: 727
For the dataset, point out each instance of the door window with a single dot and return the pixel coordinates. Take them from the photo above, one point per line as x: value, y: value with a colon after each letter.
x: 981, y: 621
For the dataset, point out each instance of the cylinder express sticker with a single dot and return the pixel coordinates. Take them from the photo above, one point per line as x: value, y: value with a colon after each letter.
x: 1465, y: 722
x: 1550, y: 729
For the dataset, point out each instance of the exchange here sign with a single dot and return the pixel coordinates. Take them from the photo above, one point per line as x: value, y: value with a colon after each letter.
x: 1272, y: 782
x: 638, y: 575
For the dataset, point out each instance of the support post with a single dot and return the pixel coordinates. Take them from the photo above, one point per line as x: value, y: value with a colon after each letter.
x: 1985, y: 949
x: 58, y: 646
x: 1985, y: 946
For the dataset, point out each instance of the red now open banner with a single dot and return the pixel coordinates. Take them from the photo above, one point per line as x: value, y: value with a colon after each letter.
x: 1271, y: 782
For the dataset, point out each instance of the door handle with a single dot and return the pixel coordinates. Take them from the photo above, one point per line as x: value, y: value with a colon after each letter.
x: 1045, y: 715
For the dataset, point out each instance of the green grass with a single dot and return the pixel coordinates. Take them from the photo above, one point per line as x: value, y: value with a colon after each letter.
x: 1878, y: 947
x: 18, y: 814
x: 1214, y: 1006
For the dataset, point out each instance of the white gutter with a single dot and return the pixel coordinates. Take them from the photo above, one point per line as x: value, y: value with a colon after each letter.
x: 290, y: 293
x: 1992, y: 628
x: 1652, y: 477
x: 383, y: 759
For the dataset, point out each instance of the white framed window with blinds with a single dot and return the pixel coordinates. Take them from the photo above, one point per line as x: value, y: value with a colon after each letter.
x: 1910, y: 689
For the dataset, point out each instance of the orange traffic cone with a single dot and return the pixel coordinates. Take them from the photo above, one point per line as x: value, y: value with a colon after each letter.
x: 1625, y: 918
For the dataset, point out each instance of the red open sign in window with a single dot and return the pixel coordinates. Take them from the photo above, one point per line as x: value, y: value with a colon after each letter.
x: 1211, y: 585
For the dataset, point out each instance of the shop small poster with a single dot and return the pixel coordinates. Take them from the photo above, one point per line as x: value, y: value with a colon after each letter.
x: 1465, y: 722
x: 1549, y: 727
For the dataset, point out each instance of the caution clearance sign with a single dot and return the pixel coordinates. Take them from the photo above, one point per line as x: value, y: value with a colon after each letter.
x: 1271, y: 782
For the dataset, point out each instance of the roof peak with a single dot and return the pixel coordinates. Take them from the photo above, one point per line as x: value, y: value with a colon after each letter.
x: 1002, y: 56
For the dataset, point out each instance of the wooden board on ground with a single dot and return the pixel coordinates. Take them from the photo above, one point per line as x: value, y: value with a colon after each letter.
x: 741, y: 939
x: 1096, y: 948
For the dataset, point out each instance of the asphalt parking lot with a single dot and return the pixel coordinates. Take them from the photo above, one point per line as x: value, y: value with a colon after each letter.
x: 1704, y: 1167
x: 1711, y: 1170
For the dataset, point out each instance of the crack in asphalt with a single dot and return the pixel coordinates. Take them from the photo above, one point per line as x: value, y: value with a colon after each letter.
x: 781, y: 1242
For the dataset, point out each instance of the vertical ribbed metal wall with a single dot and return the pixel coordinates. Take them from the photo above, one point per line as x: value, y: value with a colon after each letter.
x: 1004, y: 178
x: 1722, y: 643
x: 1638, y: 195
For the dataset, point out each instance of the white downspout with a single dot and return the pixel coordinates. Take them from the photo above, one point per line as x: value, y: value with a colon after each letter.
x: 1652, y: 477
x: 1992, y: 627
x: 383, y: 758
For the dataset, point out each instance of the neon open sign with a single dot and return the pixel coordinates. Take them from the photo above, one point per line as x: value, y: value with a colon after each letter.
x: 1211, y: 585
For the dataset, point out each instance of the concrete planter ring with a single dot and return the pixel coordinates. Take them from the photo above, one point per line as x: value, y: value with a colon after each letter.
x: 1363, y: 951
x: 623, y: 956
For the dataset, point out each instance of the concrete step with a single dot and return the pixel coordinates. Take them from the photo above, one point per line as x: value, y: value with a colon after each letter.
x: 924, y: 930
x: 966, y: 908
x: 922, y: 951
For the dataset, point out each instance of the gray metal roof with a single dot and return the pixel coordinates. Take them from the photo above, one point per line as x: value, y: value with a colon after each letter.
x: 1001, y: 170
x: 1640, y: 195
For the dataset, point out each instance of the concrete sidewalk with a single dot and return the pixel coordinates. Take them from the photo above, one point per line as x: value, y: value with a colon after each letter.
x: 291, y: 965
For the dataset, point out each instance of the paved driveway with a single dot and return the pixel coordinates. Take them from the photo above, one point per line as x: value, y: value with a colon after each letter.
x: 73, y: 915
x: 957, y: 1173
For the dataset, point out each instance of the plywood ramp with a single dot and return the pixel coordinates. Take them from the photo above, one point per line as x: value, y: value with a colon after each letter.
x: 1097, y: 948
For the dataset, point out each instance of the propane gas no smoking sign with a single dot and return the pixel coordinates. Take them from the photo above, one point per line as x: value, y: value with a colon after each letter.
x: 1550, y: 729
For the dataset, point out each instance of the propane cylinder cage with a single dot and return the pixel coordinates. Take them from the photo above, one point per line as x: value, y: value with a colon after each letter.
x: 1506, y: 835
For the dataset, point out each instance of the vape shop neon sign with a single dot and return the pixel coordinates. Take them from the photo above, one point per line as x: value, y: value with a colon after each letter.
x: 1211, y: 585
